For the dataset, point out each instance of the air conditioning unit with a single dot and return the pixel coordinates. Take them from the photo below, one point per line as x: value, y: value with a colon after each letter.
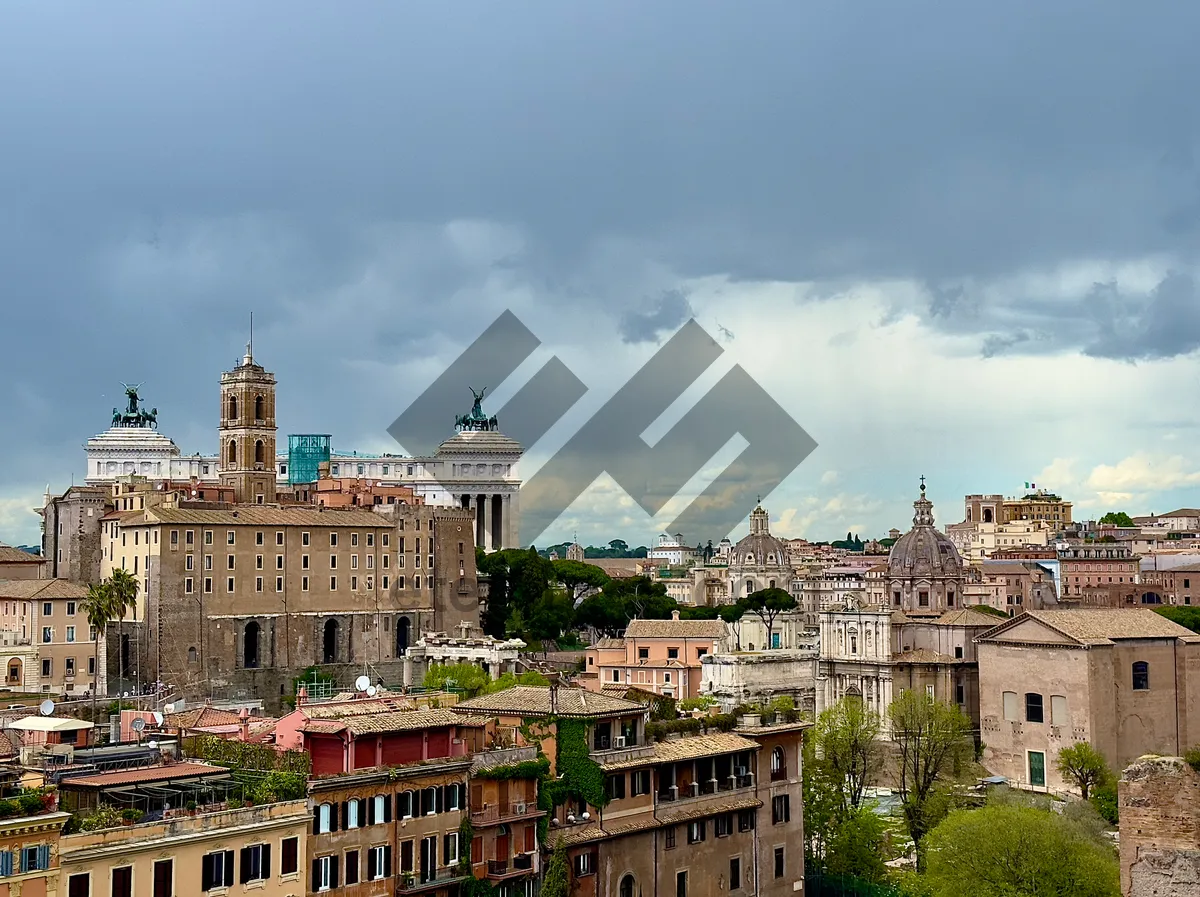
x: 620, y: 741
x: 519, y: 808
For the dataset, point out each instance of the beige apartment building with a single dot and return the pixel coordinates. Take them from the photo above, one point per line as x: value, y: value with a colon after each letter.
x: 660, y: 656
x: 45, y: 621
x: 1125, y: 680
x: 258, y: 851
x: 18, y: 564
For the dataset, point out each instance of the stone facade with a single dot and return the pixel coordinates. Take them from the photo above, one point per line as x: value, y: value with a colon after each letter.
x: 240, y: 600
x: 1126, y: 681
x: 736, y: 679
x: 71, y: 532
x: 1159, y: 804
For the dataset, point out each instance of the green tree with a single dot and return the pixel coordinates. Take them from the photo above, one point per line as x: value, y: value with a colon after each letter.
x: 470, y: 678
x: 767, y: 604
x: 602, y: 614
x: 1117, y: 518
x: 732, y: 614
x: 932, y: 737
x: 1008, y: 850
x: 1084, y: 765
x: 856, y: 847
x: 122, y: 590
x: 822, y: 806
x: 847, y: 738
x: 99, y: 610
x: 578, y: 577
x: 557, y: 882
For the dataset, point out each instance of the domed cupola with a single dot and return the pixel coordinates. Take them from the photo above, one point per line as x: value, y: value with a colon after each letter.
x: 924, y: 567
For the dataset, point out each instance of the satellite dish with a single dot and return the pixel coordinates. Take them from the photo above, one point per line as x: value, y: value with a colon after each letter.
x: 46, y: 707
x: 152, y: 744
x: 158, y: 718
x: 138, y: 724
x: 371, y: 690
x: 362, y: 682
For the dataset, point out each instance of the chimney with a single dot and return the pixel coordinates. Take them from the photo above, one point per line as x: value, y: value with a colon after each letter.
x: 674, y: 615
x: 244, y: 722
x: 553, y: 678
x: 302, y: 696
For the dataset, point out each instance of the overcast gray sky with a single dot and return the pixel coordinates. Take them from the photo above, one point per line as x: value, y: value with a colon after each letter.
x: 957, y: 240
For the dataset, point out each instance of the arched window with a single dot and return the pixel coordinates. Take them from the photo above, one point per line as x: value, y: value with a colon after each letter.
x: 1141, y: 675
x: 231, y: 454
x: 404, y: 805
x: 14, y: 672
x: 259, y: 452
x: 771, y: 584
x: 330, y: 641
x: 628, y: 886
x: 192, y: 655
x: 260, y: 408
x: 749, y: 586
x: 987, y: 515
x: 778, y: 764
x: 250, y: 646
x: 233, y: 409
x: 324, y: 818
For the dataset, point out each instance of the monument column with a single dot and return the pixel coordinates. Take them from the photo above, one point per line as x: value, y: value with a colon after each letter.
x: 479, y: 512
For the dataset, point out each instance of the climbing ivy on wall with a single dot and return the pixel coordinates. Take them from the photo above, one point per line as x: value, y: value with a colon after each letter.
x: 579, y: 776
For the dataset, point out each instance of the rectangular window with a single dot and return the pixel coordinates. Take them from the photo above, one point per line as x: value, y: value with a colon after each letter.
x: 208, y: 562
x: 229, y: 562
x: 80, y: 885
x: 47, y: 635
x: 386, y: 539
x: 189, y: 537
x: 324, y: 873
x: 353, y: 583
x: 304, y: 538
x: 696, y: 831
x: 354, y: 540
x: 450, y: 849
x: 672, y: 653
x: 1011, y: 707
x: 745, y: 820
x: 333, y: 540
x: 279, y: 562
x: 70, y: 633
x: 122, y: 881
x: 614, y: 786
x: 278, y: 583
x: 70, y: 608
x: 681, y: 884
x: 46, y: 666
x: 216, y: 870
x: 639, y: 782
x: 229, y: 538
x: 723, y: 826
x: 258, y: 562
x: 289, y: 863
x: 779, y: 866
x: 189, y: 562
x: 643, y: 653
x: 258, y: 583
x: 1033, y: 708
x: 584, y: 865
x: 47, y: 609
x: 333, y: 562
x: 669, y: 838
x: 229, y: 584
x: 304, y: 584
x: 304, y: 562
x: 735, y: 873
x: 208, y: 538
x: 279, y: 537
x: 780, y: 809
x: 376, y: 866
x: 352, y: 867
x: 256, y: 863
x: 333, y: 583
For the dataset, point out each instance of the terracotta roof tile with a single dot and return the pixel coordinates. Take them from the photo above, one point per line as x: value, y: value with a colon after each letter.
x: 922, y: 655
x: 254, y: 515
x: 388, y: 721
x: 42, y: 588
x: 967, y: 616
x: 10, y: 555
x: 687, y: 749
x: 675, y: 629
x: 593, y: 832
x: 534, y: 700
x: 1098, y: 626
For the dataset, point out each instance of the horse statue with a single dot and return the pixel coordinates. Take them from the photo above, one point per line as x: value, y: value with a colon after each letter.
x: 493, y: 424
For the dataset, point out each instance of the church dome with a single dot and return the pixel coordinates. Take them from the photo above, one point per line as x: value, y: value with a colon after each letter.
x: 924, y: 551
x: 759, y: 548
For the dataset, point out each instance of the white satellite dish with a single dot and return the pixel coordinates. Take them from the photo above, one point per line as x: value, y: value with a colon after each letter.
x: 362, y: 682
x: 158, y: 718
x: 46, y: 707
x: 152, y: 744
x: 371, y: 690
x: 138, y: 724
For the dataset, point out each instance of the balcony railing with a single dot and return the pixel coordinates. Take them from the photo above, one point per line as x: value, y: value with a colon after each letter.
x: 495, y: 813
x: 521, y: 864
x: 410, y: 882
x: 696, y: 790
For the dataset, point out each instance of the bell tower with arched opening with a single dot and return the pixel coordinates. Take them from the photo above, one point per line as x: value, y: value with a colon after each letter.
x: 247, y: 431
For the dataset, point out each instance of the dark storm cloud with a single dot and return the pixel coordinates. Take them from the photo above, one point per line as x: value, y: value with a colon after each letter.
x: 164, y: 169
x: 666, y: 315
x: 1163, y: 324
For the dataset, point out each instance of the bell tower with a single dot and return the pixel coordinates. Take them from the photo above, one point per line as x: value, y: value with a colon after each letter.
x: 247, y: 431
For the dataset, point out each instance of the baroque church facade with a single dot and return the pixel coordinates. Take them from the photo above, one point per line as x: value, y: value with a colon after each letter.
x: 911, y: 632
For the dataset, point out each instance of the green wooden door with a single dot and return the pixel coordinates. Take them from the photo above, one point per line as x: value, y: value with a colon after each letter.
x: 1037, y: 768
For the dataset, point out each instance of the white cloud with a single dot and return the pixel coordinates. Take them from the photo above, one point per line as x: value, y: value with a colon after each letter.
x: 1144, y: 472
x: 829, y: 477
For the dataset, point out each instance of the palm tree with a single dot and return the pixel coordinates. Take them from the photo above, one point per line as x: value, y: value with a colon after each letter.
x: 123, y: 591
x: 97, y: 606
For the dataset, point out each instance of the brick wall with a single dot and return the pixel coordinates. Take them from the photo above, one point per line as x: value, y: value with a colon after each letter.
x: 1159, y: 799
